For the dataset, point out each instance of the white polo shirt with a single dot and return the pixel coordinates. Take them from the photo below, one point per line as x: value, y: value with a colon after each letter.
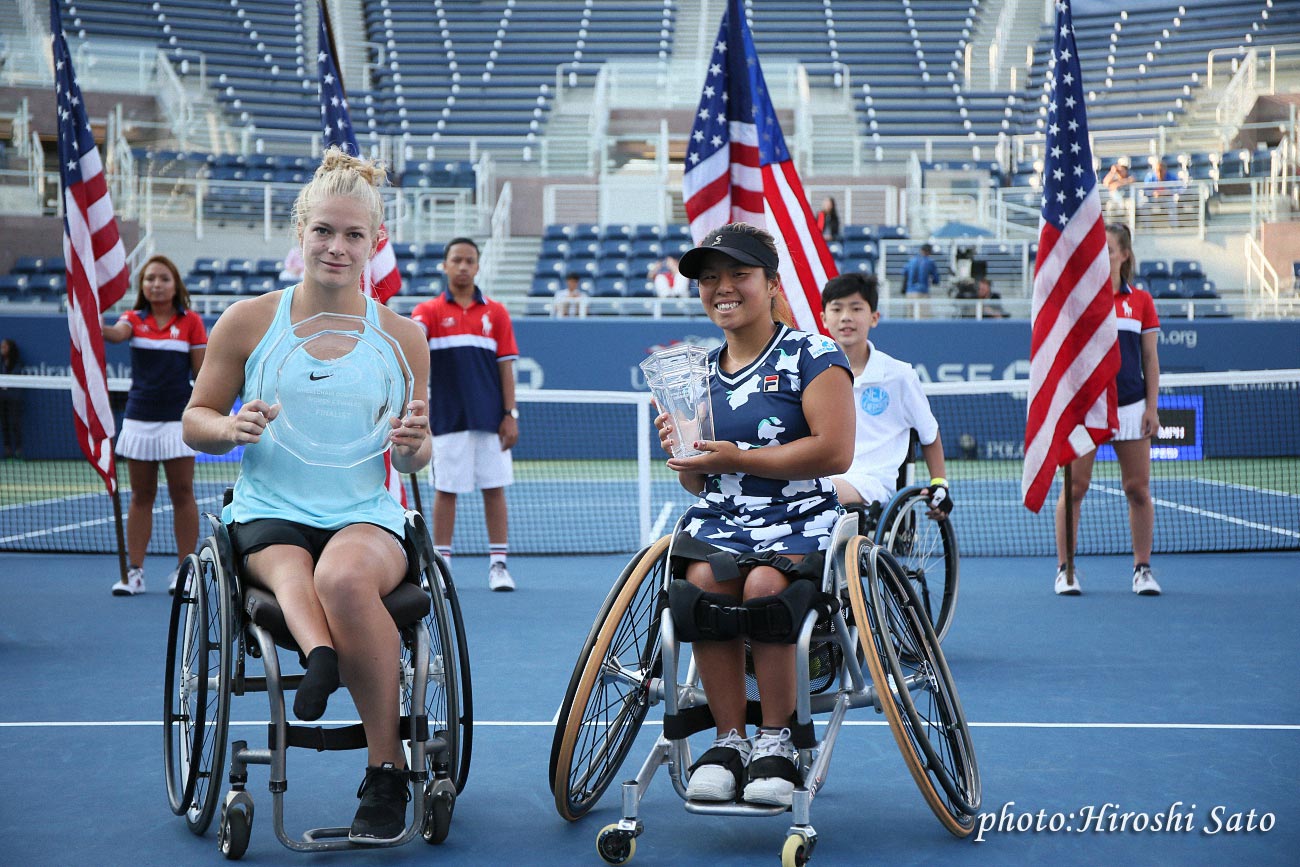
x: 890, y: 403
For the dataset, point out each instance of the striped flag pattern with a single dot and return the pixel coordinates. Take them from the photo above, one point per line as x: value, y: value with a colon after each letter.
x: 96, y: 269
x: 1074, y: 349
x: 381, y: 280
x: 738, y: 169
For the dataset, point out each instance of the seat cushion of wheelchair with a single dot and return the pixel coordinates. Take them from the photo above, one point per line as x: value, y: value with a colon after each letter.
x: 406, y: 604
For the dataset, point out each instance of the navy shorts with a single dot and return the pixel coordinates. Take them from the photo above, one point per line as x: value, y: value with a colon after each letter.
x: 253, y: 536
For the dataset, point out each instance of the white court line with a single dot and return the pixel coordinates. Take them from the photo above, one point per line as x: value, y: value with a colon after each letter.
x: 1252, y: 727
x: 1205, y: 513
x: 81, y: 525
x: 664, y: 514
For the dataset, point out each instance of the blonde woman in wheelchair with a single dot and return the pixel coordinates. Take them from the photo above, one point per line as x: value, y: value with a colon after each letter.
x: 326, y: 541
x: 782, y: 406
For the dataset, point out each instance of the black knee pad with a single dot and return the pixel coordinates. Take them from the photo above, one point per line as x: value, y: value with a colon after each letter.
x: 700, y: 616
x: 777, y: 619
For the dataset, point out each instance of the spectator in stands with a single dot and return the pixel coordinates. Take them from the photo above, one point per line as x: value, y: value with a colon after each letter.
x: 669, y: 282
x: 472, y: 406
x: 1138, y: 385
x: 990, y: 309
x: 920, y: 273
x: 1117, y: 180
x: 11, y: 401
x: 167, y: 346
x: 828, y: 220
x: 570, y: 301
x: 888, y: 399
x: 325, y: 540
x: 1156, y: 179
x: 293, y: 265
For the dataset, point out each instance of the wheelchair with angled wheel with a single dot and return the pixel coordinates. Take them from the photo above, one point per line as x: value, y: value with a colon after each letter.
x: 867, y: 642
x: 218, y: 622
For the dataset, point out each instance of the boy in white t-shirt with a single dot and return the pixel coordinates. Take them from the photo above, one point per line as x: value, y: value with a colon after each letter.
x: 889, y: 401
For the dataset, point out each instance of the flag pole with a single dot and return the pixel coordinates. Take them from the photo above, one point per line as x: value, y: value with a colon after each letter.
x: 415, y: 492
x: 1069, y: 527
x: 121, y: 535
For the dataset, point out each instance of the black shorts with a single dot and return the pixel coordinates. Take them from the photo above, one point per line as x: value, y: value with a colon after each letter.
x: 251, y: 537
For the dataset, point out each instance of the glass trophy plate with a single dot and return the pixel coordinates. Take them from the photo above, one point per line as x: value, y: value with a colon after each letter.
x: 678, y: 378
x: 339, y: 380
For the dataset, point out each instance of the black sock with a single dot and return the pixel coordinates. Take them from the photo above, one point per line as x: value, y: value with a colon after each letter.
x: 318, y: 684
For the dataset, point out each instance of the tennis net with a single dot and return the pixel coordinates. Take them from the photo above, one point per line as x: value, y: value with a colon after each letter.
x: 589, y: 476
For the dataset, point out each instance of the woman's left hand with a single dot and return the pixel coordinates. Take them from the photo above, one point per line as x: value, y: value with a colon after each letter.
x: 720, y: 456
x: 1150, y: 422
x: 412, y: 429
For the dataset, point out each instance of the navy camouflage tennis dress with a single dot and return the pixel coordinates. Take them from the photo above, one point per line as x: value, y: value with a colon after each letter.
x: 759, y: 406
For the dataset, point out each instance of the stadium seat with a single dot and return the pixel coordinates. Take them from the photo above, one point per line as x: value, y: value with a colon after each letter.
x: 544, y: 287
x: 1163, y: 288
x: 28, y: 265
x: 1186, y: 268
x: 1201, y: 288
x: 13, y: 286
x: 612, y: 268
x: 610, y: 287
x: 1153, y: 270
x: 435, y: 250
x: 269, y: 267
x: 241, y: 267
x: 206, y: 266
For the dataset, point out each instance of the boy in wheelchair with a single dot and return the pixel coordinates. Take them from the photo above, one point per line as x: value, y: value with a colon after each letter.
x: 888, y: 401
x: 325, y: 540
x: 766, y: 509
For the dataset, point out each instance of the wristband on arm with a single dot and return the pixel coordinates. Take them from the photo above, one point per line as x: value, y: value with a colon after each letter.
x: 940, y: 498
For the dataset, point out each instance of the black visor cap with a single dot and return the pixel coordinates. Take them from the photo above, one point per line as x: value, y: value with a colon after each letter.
x: 738, y: 245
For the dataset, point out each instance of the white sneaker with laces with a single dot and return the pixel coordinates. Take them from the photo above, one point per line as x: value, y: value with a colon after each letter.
x: 777, y: 760
x: 713, y: 777
x: 1144, y: 583
x: 1063, y: 585
x: 133, y: 585
x: 499, y: 578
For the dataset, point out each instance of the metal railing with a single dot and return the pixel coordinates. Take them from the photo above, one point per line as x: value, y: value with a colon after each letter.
x: 1263, y: 287
x: 597, y: 310
x: 500, y: 234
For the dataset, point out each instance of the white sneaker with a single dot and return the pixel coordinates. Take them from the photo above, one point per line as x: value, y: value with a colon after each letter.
x: 777, y: 761
x: 713, y: 777
x: 1063, y: 585
x: 133, y: 585
x: 1144, y: 583
x: 499, y: 578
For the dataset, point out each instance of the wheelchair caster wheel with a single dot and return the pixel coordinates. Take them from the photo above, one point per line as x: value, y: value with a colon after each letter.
x: 235, y: 830
x: 796, y: 852
x: 437, y: 816
x: 615, y: 846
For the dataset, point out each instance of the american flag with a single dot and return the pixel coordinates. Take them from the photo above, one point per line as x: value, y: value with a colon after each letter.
x: 738, y: 169
x: 1074, y: 350
x: 97, y: 275
x: 381, y: 279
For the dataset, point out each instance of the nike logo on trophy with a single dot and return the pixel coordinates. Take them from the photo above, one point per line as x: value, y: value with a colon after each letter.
x: 313, y: 377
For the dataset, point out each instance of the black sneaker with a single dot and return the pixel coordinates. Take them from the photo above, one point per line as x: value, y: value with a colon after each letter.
x: 381, y: 818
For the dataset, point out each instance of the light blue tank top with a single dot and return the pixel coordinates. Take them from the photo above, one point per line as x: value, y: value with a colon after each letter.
x: 273, y: 483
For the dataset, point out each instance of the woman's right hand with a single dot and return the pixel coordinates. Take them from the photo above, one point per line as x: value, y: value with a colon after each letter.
x: 665, y: 424
x: 251, y: 420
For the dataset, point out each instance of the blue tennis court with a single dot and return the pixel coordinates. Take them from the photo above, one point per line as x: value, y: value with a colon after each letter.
x: 1182, y: 707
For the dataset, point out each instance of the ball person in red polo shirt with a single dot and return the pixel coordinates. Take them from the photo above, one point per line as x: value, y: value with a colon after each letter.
x: 471, y: 403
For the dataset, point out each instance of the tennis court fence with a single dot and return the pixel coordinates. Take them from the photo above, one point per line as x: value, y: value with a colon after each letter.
x: 590, y: 478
